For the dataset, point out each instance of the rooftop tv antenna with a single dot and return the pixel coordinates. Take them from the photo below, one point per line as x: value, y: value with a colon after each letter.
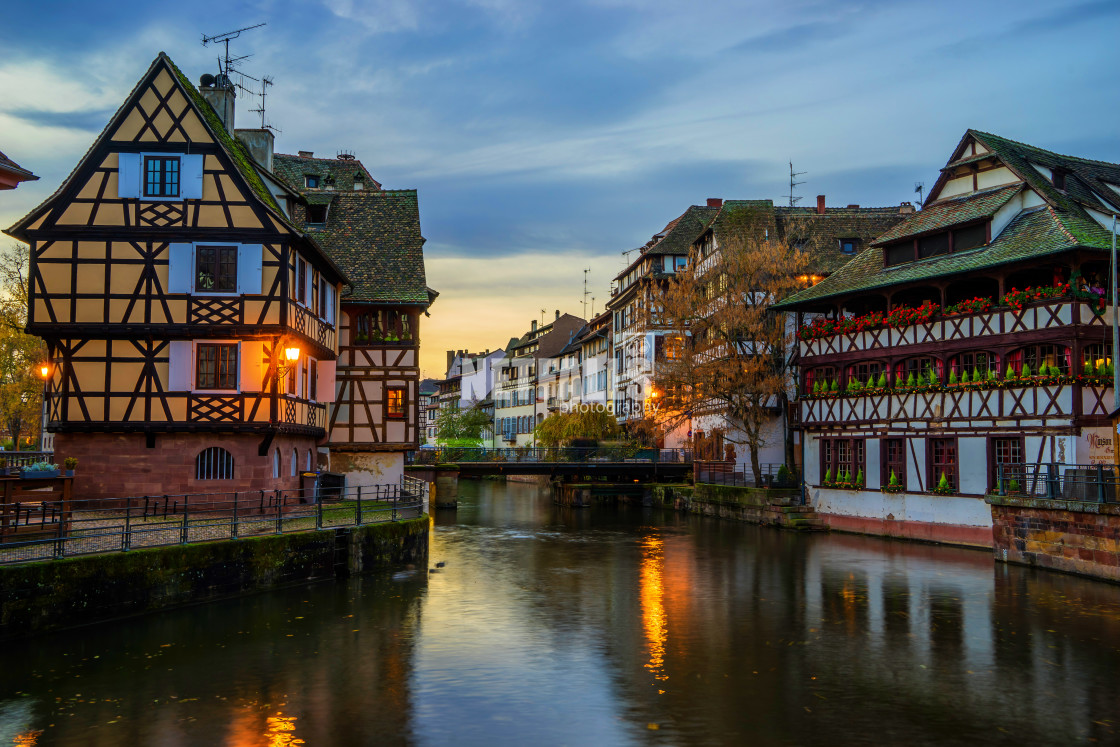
x: 586, y: 292
x: 793, y: 200
x: 919, y: 187
x: 266, y: 81
x: 227, y: 63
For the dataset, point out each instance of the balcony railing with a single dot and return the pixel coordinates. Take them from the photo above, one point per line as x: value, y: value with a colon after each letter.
x: 1085, y: 483
x: 1054, y: 313
x: 236, y: 408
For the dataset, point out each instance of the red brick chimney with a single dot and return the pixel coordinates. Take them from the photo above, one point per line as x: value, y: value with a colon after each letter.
x: 820, y: 204
x: 715, y: 202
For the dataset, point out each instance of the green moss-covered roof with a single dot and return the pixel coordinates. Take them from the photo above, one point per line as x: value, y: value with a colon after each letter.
x: 372, y: 234
x: 293, y: 169
x: 951, y: 212
x: 237, y: 151
x: 1038, y: 233
x: 1060, y: 226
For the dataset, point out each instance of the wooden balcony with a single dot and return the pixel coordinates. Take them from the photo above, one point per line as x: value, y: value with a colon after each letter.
x: 1034, y: 402
x: 1052, y: 314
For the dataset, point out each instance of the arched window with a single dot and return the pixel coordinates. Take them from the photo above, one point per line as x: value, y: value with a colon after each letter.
x: 919, y: 366
x: 295, y: 462
x: 969, y: 363
x: 214, y: 463
x: 1034, y: 356
x: 309, y: 460
x: 865, y: 372
x: 824, y: 375
x: 276, y: 463
x: 1096, y: 356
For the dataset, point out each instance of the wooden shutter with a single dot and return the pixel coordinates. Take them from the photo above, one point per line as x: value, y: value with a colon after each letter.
x: 180, y: 269
x: 190, y: 177
x: 249, y: 268
x: 128, y: 175
x: 252, y: 366
x: 181, y: 366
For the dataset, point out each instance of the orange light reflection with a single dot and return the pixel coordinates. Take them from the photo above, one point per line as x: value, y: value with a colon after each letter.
x: 653, y: 605
x: 280, y: 730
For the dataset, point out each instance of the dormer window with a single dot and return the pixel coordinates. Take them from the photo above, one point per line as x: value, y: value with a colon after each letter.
x: 849, y: 246
x: 316, y: 214
x: 328, y: 182
x: 359, y: 181
x: 311, y: 181
x: 1059, y: 179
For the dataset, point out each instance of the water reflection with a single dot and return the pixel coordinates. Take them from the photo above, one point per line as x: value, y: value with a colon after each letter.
x: 653, y: 608
x: 600, y: 626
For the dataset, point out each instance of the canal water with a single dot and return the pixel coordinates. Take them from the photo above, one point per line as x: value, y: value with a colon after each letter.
x: 603, y: 626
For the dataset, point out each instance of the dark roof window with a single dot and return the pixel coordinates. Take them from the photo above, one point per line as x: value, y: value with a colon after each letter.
x: 1059, y: 178
x: 849, y: 246
x: 316, y: 214
x: 311, y: 181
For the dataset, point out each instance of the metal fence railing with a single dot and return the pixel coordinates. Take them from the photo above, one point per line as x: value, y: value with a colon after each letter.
x: 451, y: 454
x: 742, y: 475
x: 1092, y: 483
x: 15, y: 460
x: 36, y: 531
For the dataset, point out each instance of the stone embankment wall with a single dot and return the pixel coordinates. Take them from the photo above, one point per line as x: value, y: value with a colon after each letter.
x: 1070, y: 536
x: 769, y: 506
x: 60, y: 594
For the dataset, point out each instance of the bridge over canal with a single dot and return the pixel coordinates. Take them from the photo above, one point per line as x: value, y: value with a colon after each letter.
x: 591, y: 462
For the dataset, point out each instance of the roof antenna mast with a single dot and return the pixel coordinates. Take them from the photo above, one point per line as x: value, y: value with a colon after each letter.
x: 586, y: 292
x: 793, y: 200
x: 228, y: 65
x: 918, y: 187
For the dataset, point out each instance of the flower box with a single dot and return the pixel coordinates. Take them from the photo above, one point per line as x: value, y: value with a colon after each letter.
x: 38, y: 473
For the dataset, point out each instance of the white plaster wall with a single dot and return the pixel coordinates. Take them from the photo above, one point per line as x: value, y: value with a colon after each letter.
x: 959, y: 186
x: 369, y: 468
x: 933, y: 509
x: 973, y: 468
x: 871, y: 476
x: 916, y: 463
x: 994, y: 178
x: 813, y: 460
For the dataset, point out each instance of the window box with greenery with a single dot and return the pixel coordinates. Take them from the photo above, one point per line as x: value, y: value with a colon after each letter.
x: 944, y: 487
x: 893, y: 484
x: 39, y: 470
x: 71, y: 464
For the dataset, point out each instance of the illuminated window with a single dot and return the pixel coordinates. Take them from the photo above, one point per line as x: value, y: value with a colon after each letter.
x: 942, y: 460
x: 217, y: 367
x: 394, y: 402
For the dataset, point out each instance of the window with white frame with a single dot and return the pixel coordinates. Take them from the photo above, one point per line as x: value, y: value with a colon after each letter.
x: 159, y: 176
x: 212, y: 268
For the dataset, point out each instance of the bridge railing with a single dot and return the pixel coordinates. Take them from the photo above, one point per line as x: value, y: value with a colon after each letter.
x: 523, y: 455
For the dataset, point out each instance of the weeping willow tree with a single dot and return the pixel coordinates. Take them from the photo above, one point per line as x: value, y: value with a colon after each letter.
x: 725, y: 347
x: 560, y: 429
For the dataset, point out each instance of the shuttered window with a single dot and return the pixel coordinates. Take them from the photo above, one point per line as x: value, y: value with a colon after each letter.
x: 217, y: 367
x: 161, y: 176
x: 216, y: 268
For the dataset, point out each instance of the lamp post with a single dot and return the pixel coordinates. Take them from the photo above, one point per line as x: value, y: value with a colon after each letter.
x: 45, y: 371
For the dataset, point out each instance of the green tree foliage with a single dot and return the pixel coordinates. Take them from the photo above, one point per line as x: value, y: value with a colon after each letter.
x: 21, y: 354
x: 560, y: 429
x: 458, y: 427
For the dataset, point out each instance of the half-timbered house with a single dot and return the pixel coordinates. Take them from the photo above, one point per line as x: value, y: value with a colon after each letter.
x: 974, y: 333
x: 374, y: 235
x: 164, y: 278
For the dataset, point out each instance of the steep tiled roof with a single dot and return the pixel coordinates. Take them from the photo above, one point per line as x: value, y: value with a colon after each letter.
x: 1059, y: 226
x: 373, y: 234
x: 677, y: 237
x: 1033, y: 234
x: 817, y: 234
x: 943, y: 214
x: 293, y: 169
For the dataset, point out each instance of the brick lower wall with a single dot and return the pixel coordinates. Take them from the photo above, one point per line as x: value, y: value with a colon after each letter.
x: 120, y: 465
x: 1082, y: 538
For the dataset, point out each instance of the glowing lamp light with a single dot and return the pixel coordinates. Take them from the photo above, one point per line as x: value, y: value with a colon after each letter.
x: 45, y: 370
x: 291, y: 354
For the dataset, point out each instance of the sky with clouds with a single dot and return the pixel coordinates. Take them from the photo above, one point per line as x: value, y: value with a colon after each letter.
x: 549, y: 137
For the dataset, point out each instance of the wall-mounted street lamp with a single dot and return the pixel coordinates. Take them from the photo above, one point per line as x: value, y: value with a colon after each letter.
x: 45, y: 369
x: 289, y: 359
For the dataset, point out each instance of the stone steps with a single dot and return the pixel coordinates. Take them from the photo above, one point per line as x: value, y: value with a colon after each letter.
x: 802, y: 518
